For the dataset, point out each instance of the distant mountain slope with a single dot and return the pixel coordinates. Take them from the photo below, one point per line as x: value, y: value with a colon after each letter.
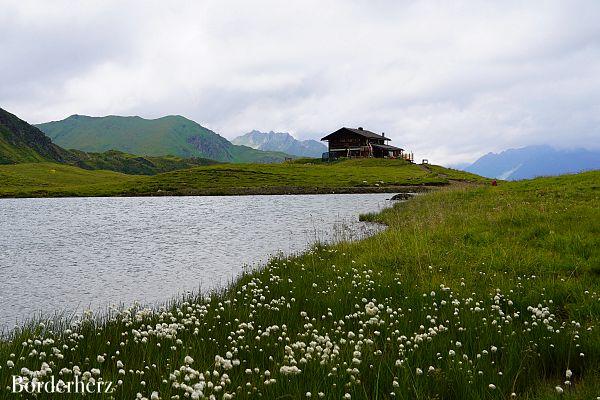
x: 171, y: 135
x: 529, y: 162
x: 281, y: 141
x: 21, y: 142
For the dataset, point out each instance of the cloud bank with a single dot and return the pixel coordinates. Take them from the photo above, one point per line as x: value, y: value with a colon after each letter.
x: 449, y: 80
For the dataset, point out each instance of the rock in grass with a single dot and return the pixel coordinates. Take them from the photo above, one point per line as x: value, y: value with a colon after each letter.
x: 402, y: 196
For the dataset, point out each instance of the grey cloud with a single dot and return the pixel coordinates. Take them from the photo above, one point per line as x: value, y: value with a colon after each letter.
x: 449, y: 81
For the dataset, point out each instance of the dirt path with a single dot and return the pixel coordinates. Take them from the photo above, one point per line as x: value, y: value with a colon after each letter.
x: 425, y: 168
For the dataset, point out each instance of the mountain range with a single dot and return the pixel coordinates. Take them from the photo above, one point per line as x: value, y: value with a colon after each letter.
x: 281, y: 141
x: 21, y: 142
x: 532, y: 161
x: 170, y: 135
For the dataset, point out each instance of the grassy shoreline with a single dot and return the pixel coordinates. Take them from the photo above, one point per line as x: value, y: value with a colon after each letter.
x: 471, y: 293
x: 299, y: 177
x: 240, y: 191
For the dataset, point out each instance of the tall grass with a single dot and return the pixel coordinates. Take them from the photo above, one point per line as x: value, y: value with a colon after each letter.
x: 485, y: 293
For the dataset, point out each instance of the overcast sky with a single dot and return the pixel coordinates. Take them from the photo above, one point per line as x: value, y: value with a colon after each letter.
x: 449, y: 80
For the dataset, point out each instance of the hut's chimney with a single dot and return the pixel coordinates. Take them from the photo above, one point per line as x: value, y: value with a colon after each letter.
x: 383, y: 134
x: 360, y: 128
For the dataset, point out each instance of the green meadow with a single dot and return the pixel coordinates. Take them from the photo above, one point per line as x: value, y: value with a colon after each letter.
x: 470, y: 293
x: 301, y: 176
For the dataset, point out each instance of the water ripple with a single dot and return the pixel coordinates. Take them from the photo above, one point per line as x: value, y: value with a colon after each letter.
x: 59, y: 255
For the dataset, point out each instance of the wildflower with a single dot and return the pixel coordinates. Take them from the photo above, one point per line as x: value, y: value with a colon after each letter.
x: 347, y: 396
x: 308, y: 394
x: 559, y: 390
x: 419, y: 371
x: 10, y: 364
x: 492, y: 386
x: 100, y: 359
x: 569, y: 374
x: 188, y: 360
x: 119, y: 364
x: 287, y: 370
x: 154, y: 396
x: 451, y: 353
x: 371, y: 309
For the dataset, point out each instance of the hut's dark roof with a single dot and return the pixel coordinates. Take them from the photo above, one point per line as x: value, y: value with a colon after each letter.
x: 361, y: 132
x: 386, y: 147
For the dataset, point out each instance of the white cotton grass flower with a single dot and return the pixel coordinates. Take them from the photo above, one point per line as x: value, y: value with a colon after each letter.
x: 371, y: 309
x: 559, y: 390
x: 569, y: 374
x: 188, y: 360
x: 100, y: 359
x: 419, y: 371
x: 10, y: 364
x: 492, y: 386
x: 154, y: 396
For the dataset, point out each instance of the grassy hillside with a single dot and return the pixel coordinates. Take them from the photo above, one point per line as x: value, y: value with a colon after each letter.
x: 472, y: 293
x: 281, y: 178
x: 113, y: 160
x: 21, y: 142
x: 171, y: 135
x: 313, y: 177
x: 10, y: 154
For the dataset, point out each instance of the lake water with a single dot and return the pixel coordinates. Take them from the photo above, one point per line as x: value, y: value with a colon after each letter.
x: 67, y: 254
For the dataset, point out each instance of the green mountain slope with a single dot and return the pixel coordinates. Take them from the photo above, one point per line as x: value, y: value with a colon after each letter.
x: 21, y: 142
x: 171, y: 135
